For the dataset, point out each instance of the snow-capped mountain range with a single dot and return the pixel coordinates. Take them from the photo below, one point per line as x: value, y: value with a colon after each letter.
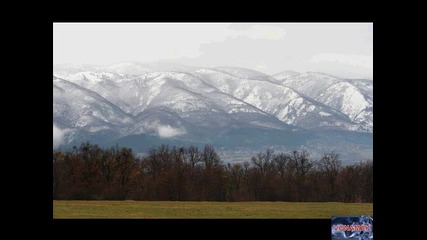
x: 232, y: 108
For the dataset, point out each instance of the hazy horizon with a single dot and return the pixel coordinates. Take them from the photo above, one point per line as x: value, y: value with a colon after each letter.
x: 340, y: 49
x: 195, y: 66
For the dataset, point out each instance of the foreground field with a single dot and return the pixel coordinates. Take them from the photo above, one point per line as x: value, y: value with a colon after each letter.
x: 137, y: 209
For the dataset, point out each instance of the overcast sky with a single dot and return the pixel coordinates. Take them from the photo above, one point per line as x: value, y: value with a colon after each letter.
x: 344, y: 49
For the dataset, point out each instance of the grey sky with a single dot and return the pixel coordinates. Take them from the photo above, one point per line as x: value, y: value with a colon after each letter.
x: 343, y: 49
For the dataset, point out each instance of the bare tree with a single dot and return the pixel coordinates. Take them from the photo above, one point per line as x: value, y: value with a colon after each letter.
x: 192, y: 156
x: 89, y: 172
x: 367, y: 174
x: 235, y: 178
x: 300, y: 165
x: 330, y: 166
x: 279, y: 163
x: 210, y: 157
x: 263, y: 161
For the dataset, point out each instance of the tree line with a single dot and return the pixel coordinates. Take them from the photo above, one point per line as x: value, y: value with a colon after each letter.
x: 192, y: 174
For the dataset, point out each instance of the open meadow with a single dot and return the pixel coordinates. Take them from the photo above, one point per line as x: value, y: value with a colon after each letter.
x: 215, y: 210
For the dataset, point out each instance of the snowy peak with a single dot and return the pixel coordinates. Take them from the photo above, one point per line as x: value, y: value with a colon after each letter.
x: 147, y: 104
x: 77, y: 107
x: 282, y: 102
x: 130, y: 68
x: 309, y: 100
x: 286, y: 74
x: 244, y: 73
x: 353, y: 98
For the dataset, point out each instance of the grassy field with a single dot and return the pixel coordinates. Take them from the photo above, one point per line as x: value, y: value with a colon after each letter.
x: 142, y: 209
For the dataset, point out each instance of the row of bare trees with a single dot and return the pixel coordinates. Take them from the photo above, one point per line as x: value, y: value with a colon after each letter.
x: 193, y: 174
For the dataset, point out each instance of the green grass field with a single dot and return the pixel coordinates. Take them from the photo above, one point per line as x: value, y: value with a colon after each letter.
x: 160, y: 209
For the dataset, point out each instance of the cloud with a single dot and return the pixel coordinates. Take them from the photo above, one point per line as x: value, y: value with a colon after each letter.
x: 261, y: 67
x: 163, y: 131
x: 222, y: 32
x: 58, y: 135
x: 167, y: 131
x: 259, y: 32
x: 364, y: 61
x: 280, y: 46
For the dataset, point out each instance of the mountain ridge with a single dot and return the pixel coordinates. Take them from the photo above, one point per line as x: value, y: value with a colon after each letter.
x: 205, y: 101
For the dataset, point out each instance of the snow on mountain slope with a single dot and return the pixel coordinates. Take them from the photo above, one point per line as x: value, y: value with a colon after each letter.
x: 283, y: 102
x: 324, y: 101
x: 246, y: 74
x: 114, y: 87
x: 130, y: 68
x: 194, y: 101
x: 147, y: 104
x: 285, y: 74
x: 169, y: 99
x: 78, y: 108
x: 364, y: 85
x: 354, y: 98
x: 135, y: 68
